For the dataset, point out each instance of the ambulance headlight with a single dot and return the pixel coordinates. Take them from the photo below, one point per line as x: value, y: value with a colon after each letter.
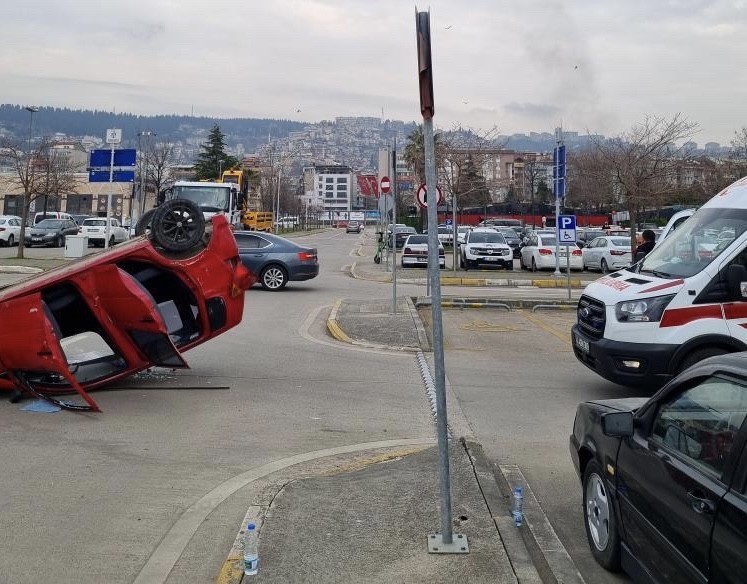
x: 642, y: 309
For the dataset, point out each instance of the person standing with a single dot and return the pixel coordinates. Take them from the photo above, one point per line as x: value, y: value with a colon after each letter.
x: 649, y: 241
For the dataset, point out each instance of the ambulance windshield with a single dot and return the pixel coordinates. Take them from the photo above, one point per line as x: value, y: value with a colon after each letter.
x: 696, y: 243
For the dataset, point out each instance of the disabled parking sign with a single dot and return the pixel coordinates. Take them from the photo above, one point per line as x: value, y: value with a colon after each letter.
x: 567, y: 229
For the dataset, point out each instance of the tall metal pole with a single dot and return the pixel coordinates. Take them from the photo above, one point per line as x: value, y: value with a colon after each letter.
x: 454, y: 231
x: 109, y: 199
x: 277, y: 207
x: 141, y: 198
x: 558, y: 182
x: 394, y: 220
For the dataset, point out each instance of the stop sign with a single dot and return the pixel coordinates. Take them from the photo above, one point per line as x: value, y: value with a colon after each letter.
x: 385, y: 184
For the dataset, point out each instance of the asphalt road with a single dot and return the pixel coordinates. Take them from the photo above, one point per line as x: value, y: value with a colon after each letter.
x: 89, y: 497
x: 515, y: 381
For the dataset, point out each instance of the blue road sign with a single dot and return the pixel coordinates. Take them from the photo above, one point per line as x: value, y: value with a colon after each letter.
x: 567, y: 229
x: 118, y: 176
x: 122, y: 157
x: 448, y: 222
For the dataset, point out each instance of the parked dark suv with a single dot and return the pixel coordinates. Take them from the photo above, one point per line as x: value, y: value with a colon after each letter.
x: 665, y: 479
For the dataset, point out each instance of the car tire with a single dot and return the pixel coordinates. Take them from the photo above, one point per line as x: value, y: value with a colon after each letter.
x: 143, y: 224
x: 273, y: 278
x: 11, y: 241
x: 698, y: 355
x: 178, y: 225
x: 534, y: 265
x: 604, y: 267
x: 59, y: 241
x: 600, y: 520
x: 510, y: 266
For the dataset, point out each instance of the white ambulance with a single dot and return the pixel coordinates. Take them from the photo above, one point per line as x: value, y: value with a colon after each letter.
x: 685, y: 301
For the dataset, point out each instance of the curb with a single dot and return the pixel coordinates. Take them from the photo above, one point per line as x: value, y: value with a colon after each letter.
x: 20, y: 270
x: 386, y: 277
x: 503, y: 303
x: 336, y: 331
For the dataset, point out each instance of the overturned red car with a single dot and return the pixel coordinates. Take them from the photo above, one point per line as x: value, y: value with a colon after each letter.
x: 108, y: 315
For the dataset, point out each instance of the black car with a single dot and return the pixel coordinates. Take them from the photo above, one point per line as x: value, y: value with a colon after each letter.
x: 665, y: 479
x: 51, y: 232
x: 512, y: 239
x: 276, y: 260
x: 401, y: 234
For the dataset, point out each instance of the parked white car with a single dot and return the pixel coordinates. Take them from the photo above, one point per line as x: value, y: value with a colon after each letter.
x: 462, y: 231
x: 607, y: 253
x: 415, y: 252
x: 10, y: 230
x: 484, y: 245
x: 539, y: 254
x: 95, y: 229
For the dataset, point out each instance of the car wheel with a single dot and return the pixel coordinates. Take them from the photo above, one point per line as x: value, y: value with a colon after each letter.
x: 604, y: 267
x: 178, y: 225
x: 461, y: 261
x: 11, y: 241
x: 600, y: 519
x: 59, y: 241
x: 510, y: 266
x: 112, y: 241
x: 698, y: 355
x: 273, y: 278
x: 143, y: 224
x: 534, y: 265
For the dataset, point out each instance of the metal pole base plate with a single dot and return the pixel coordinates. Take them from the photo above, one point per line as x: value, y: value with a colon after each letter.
x: 458, y: 545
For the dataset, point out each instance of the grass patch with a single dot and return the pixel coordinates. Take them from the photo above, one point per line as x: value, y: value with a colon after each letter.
x: 43, y: 263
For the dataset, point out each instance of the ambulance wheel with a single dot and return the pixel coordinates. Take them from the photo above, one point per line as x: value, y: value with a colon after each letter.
x: 698, y: 355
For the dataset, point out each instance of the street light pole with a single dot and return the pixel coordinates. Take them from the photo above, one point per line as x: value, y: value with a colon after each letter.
x: 31, y: 109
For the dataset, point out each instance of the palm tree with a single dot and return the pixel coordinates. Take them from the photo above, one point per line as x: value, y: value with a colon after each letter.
x: 414, y: 153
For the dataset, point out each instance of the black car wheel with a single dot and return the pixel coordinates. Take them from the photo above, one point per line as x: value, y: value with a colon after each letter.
x: 178, y: 225
x: 698, y: 355
x: 604, y: 267
x: 59, y: 241
x: 600, y: 519
x: 534, y: 265
x: 11, y: 241
x: 273, y: 278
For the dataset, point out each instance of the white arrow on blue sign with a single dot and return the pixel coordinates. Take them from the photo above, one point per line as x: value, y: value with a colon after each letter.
x: 567, y: 229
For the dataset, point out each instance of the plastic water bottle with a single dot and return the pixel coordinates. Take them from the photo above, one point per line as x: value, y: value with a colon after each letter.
x: 517, y: 509
x: 251, y: 550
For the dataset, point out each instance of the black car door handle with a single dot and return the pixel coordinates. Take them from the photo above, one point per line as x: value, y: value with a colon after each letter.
x: 700, y: 503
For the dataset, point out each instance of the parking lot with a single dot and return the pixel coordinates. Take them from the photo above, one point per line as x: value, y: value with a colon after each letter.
x: 516, y: 383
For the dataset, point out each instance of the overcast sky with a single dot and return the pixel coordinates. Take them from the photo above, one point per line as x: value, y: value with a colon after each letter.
x: 591, y: 65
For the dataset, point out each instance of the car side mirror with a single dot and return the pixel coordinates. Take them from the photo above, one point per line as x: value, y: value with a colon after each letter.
x: 617, y: 424
x: 736, y: 278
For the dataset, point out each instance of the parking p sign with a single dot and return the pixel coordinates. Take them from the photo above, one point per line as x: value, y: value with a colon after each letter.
x: 567, y: 229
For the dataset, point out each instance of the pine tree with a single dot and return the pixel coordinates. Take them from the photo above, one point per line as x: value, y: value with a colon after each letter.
x: 213, y: 157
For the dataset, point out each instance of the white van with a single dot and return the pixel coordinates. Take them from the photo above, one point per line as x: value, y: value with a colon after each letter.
x: 685, y: 301
x: 52, y: 215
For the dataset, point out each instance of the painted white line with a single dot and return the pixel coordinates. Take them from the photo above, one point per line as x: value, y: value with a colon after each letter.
x: 162, y: 560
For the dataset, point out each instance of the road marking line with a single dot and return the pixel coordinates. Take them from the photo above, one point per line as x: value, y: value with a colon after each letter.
x: 565, y: 337
x: 162, y: 561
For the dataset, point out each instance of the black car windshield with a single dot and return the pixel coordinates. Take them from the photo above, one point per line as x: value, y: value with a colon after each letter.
x: 486, y: 237
x: 696, y: 243
x: 49, y: 224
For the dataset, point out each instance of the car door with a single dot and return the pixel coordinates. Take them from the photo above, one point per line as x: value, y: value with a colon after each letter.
x: 253, y: 251
x: 674, y: 472
x: 729, y: 542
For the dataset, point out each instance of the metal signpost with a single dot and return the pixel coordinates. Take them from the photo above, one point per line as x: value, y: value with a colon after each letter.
x: 394, y: 221
x: 443, y: 542
x: 385, y: 186
x: 102, y: 169
x: 566, y: 235
x: 558, y: 179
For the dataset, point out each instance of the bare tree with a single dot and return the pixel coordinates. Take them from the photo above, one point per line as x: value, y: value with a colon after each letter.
x: 590, y: 179
x: 643, y: 162
x: 40, y: 172
x: 463, y: 157
x: 160, y: 167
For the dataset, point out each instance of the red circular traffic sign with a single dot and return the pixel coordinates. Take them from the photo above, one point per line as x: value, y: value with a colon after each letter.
x: 421, y: 196
x: 385, y: 184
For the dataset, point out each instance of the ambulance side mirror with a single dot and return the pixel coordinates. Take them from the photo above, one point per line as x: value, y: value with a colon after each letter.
x: 736, y: 278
